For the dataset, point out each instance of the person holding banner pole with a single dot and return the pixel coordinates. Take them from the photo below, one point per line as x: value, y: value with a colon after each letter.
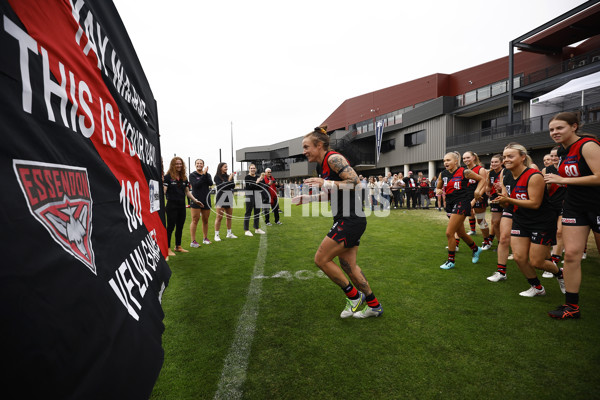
x: 177, y: 188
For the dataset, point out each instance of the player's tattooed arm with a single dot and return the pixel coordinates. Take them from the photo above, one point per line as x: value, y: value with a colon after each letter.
x: 339, y: 164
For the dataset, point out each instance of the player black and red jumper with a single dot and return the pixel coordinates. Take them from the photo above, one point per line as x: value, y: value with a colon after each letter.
x: 349, y: 222
x: 581, y: 204
x: 458, y: 197
x: 493, y: 177
x: 532, y: 222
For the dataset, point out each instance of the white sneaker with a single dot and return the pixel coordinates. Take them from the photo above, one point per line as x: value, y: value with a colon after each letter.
x: 510, y: 257
x: 206, y: 241
x: 486, y: 246
x: 584, y: 256
x: 547, y: 274
x: 217, y: 237
x: 247, y: 233
x: 232, y: 236
x: 259, y: 231
x: 352, y: 305
x: 561, y: 283
x: 471, y: 233
x: 532, y: 292
x: 369, y: 312
x: 497, y: 277
x: 195, y: 244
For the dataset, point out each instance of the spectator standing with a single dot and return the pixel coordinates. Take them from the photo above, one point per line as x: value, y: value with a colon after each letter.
x: 424, y: 192
x: 438, y: 199
x: 384, y: 193
x: 363, y: 191
x: 402, y: 188
x: 253, y: 198
x: 372, y: 192
x: 177, y: 187
x: 224, y: 200
x: 410, y: 187
x: 395, y: 189
x: 273, y: 199
x: 201, y: 181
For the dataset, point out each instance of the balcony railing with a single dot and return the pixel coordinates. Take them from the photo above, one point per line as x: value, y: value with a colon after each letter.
x: 590, y: 119
x: 500, y: 87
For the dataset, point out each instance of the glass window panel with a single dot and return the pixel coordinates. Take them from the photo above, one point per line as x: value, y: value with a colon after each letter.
x: 499, y: 88
x: 483, y: 93
x: 470, y: 97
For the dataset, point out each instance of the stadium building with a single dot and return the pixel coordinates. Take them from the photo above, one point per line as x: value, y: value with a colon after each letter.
x: 553, y: 68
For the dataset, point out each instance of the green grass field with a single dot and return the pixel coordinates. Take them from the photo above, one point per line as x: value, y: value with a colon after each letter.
x: 444, y: 334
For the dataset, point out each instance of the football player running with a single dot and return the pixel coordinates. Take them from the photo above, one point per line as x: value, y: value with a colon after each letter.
x: 337, y: 182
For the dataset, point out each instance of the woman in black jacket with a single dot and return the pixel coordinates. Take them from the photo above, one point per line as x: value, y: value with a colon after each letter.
x: 201, y: 181
x: 224, y: 200
x: 253, y: 199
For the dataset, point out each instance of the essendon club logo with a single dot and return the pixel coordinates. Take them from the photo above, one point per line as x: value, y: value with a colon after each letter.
x: 58, y: 196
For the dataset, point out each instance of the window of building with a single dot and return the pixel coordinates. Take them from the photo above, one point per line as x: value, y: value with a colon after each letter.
x: 388, y: 145
x: 470, y: 97
x: 413, y: 139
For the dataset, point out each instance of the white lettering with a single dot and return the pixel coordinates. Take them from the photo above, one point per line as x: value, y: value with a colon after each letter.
x: 26, y: 44
x: 51, y: 87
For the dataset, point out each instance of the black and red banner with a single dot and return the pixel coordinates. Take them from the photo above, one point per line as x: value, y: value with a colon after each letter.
x: 82, y: 271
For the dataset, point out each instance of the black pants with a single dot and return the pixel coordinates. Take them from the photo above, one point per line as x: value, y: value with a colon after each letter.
x: 275, y: 211
x: 411, y: 197
x: 396, y: 198
x: 176, y: 214
x: 251, y: 205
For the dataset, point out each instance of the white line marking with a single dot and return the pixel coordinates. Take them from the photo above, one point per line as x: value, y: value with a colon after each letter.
x: 236, y: 362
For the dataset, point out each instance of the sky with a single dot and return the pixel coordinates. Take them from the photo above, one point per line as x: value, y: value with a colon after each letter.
x: 266, y: 71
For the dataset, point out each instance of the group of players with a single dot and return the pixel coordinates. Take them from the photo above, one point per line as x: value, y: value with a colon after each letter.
x: 530, y: 208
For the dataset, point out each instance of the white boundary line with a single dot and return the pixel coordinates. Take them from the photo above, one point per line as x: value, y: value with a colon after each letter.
x: 236, y: 362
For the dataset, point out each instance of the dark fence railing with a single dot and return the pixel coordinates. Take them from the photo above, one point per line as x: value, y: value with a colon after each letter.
x: 590, y: 121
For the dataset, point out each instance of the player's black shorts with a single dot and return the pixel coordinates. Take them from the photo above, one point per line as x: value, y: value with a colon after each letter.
x: 348, y: 231
x: 545, y: 237
x: 507, y: 212
x: 460, y: 207
x: 482, y: 202
x: 581, y: 218
x: 494, y: 207
x: 205, y: 202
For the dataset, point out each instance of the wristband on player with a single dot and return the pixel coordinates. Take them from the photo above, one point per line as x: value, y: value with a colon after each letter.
x: 329, y: 184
